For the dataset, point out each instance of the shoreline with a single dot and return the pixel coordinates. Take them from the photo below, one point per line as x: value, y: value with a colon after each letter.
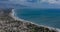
x: 16, y: 18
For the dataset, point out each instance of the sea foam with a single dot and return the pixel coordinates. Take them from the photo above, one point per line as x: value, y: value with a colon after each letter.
x: 17, y: 18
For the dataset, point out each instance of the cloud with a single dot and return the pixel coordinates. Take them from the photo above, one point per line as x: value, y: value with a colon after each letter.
x: 35, y: 3
x: 52, y: 1
x: 26, y: 2
x: 10, y: 4
x: 3, y: 0
x: 29, y: 2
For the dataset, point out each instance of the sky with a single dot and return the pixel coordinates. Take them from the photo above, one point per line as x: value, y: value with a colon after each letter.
x: 31, y: 3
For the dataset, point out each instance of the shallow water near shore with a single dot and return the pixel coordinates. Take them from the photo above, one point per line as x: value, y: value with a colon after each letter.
x: 48, y: 17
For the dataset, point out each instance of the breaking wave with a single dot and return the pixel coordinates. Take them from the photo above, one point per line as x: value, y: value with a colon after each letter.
x: 17, y: 18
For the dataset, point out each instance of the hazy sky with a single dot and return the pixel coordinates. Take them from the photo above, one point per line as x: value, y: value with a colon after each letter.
x: 35, y: 3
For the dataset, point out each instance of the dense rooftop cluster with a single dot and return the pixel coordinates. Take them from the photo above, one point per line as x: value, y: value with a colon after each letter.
x: 9, y: 24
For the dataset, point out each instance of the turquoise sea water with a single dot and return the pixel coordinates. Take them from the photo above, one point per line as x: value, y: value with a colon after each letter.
x: 48, y: 17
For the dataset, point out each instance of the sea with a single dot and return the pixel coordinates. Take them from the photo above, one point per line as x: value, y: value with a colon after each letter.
x: 47, y: 17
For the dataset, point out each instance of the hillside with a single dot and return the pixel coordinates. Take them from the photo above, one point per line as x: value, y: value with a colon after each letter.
x: 8, y: 23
